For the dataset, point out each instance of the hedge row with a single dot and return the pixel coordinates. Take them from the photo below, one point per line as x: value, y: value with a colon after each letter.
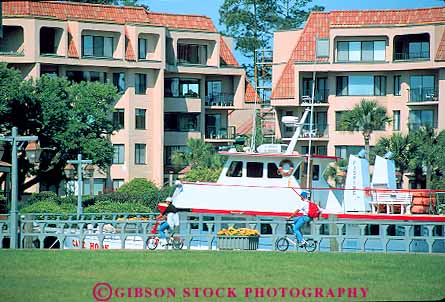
x: 136, y: 196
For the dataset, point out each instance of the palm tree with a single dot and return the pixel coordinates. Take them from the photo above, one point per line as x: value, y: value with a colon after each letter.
x: 366, y: 117
x: 427, y: 152
x: 401, y: 148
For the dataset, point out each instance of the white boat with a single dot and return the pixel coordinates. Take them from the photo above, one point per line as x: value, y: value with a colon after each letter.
x: 266, y: 182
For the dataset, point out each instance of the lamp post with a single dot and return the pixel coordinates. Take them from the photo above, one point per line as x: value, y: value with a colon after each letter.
x: 69, y: 172
x: 33, y: 154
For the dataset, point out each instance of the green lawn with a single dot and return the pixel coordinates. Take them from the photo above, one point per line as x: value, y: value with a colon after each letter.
x: 34, y: 275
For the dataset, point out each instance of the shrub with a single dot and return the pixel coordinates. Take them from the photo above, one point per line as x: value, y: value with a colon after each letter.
x: 203, y: 174
x: 231, y: 231
x: 141, y: 190
x: 4, y: 209
x: 43, y: 196
x: 117, y: 207
x: 44, y: 206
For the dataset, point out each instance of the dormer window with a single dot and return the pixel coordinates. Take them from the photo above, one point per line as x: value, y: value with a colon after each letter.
x: 97, y: 46
x: 192, y: 54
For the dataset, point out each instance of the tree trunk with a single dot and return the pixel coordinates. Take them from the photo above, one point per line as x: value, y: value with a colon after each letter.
x: 367, y: 137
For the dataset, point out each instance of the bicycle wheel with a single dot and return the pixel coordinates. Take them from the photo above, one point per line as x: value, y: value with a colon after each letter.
x: 177, y: 243
x: 282, y: 244
x: 152, y: 242
x: 311, y: 245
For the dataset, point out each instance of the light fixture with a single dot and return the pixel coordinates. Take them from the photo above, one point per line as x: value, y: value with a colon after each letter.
x: 69, y: 170
x: 89, y: 171
x: 33, y: 152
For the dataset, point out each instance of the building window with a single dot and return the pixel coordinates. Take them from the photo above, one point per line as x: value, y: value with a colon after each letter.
x: 142, y: 49
x: 345, y: 151
x: 140, y: 83
x: 379, y: 85
x: 139, y: 154
x: 363, y: 85
x: 97, y: 46
x: 320, y: 92
x: 119, y: 81
x: 174, y: 87
x: 119, y: 119
x: 397, y: 84
x: 117, y: 183
x: 181, y: 122
x: 74, y: 76
x: 322, y: 47
x: 342, y: 85
x: 140, y: 119
x: 419, y: 118
x: 422, y: 88
x: 319, y: 150
x: 396, y: 120
x: 338, y: 118
x: 361, y: 51
x: 119, y: 154
x: 192, y: 54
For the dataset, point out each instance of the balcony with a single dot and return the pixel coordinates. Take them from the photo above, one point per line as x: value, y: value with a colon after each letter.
x: 214, y: 133
x: 414, y: 47
x: 12, y: 43
x: 411, y: 56
x: 219, y: 100
x: 319, y: 131
x: 419, y: 95
x: 320, y: 96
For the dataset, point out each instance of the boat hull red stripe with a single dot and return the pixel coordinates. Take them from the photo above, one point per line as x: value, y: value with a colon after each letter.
x: 350, y: 216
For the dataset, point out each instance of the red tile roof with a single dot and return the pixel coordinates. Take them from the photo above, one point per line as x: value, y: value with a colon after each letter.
x: 193, y: 22
x: 129, y: 52
x: 440, y: 54
x: 72, y: 49
x: 74, y: 10
x: 318, y: 26
x: 251, y: 95
x: 226, y: 54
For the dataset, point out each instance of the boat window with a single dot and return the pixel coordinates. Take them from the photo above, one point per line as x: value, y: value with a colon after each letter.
x: 297, y: 172
x: 235, y: 169
x: 315, y: 172
x: 254, y: 169
x: 272, y: 171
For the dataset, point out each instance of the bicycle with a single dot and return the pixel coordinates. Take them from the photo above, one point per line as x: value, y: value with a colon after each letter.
x: 282, y: 244
x: 176, y: 242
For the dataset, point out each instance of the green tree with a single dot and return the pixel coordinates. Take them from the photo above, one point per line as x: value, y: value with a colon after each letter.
x: 427, y: 153
x: 253, y: 22
x: 401, y: 148
x: 67, y: 117
x: 199, y: 155
x: 367, y: 117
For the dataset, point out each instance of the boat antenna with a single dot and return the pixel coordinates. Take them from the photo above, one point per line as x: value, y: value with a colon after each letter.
x: 311, y: 122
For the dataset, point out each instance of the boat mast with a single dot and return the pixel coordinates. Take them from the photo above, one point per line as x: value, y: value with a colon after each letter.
x: 311, y: 121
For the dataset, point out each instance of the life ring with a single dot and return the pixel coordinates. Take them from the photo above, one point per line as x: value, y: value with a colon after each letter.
x: 286, y: 168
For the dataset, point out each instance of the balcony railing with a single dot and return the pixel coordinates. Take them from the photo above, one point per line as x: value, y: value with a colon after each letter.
x: 221, y: 99
x: 416, y: 125
x: 318, y: 131
x: 213, y: 132
x: 423, y: 95
x: 320, y: 96
x: 411, y: 56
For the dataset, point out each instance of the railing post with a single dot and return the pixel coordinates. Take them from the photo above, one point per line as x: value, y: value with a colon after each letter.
x: 333, y: 231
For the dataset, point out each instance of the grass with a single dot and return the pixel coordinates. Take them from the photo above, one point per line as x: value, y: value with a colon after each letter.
x: 54, y: 275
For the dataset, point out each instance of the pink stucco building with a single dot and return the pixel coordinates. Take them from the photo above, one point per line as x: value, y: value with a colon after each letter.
x: 396, y: 57
x: 177, y: 75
